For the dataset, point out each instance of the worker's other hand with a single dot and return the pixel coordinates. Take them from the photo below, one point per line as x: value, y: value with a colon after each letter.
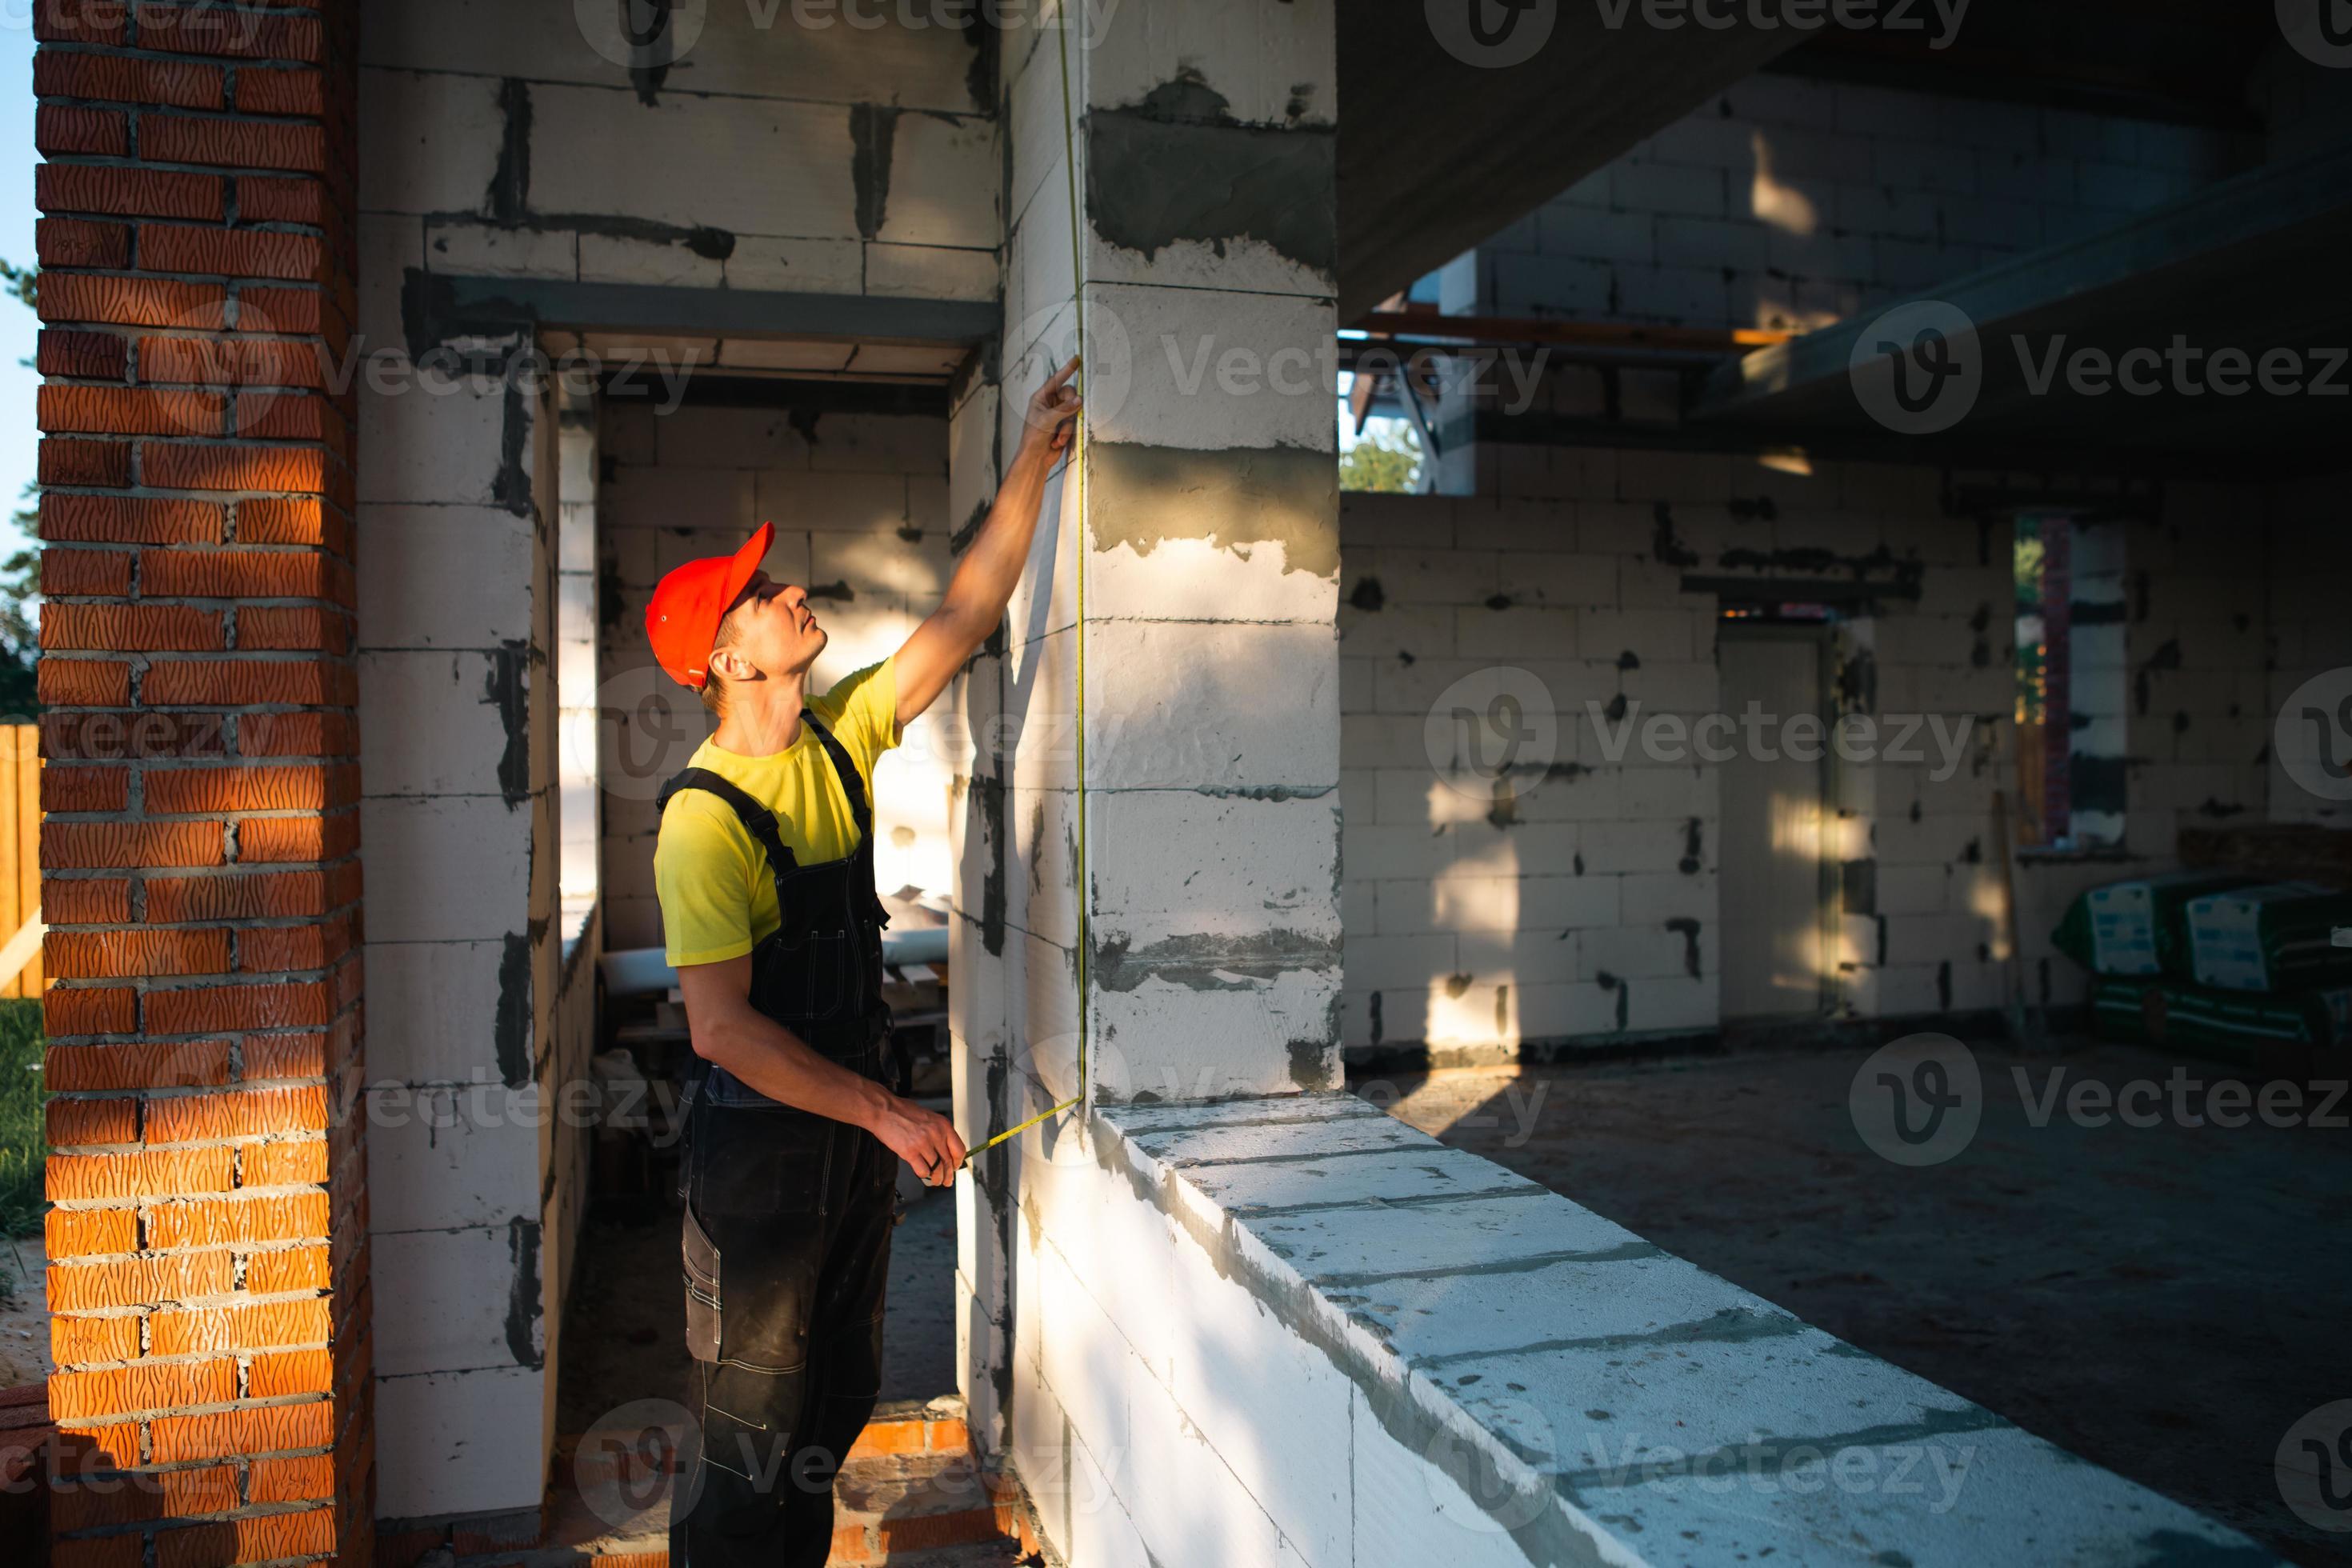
x: 924, y: 1139
x: 1054, y: 410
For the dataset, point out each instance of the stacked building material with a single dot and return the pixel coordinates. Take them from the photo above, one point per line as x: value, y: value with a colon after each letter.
x: 2276, y: 938
x: 2139, y: 927
x: 2215, y: 961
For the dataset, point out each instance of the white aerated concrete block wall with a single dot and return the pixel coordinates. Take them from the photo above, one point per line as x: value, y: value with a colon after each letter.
x: 860, y: 505
x: 1298, y: 1333
x: 1206, y: 919
x: 1583, y: 905
x: 772, y: 154
x: 458, y: 826
x: 1793, y: 203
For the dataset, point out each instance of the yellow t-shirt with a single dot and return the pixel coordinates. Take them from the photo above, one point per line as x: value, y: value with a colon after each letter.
x: 718, y: 895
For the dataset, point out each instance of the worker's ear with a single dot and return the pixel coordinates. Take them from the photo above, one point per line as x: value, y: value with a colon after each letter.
x: 730, y: 666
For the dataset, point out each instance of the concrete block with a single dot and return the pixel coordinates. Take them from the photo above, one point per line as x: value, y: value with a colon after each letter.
x: 1235, y: 535
x: 1589, y: 234
x: 429, y: 141
x: 1337, y: 1249
x: 1181, y: 1490
x: 1203, y: 370
x: 485, y: 250
x: 1550, y: 577
x: 469, y: 1300
x: 1371, y: 518
x: 1554, y: 286
x: 409, y: 598
x: 1423, y: 631
x: 853, y: 502
x: 433, y: 1006
x: 1529, y: 956
x: 1098, y: 1527
x: 465, y: 1154
x: 434, y: 450
x: 1272, y: 68
x: 1271, y: 1432
x: 445, y: 867
x: 1659, y: 897
x: 945, y: 183
x: 1564, y: 1010
x: 1643, y: 953
x: 669, y: 497
x: 1415, y: 1508
x: 696, y: 162
x: 441, y: 723
x: 621, y: 258
x: 1667, y: 188
x: 797, y: 265
x: 1245, y: 1036
x: 458, y: 1443
x: 1171, y: 870
x: 933, y: 272
x: 1437, y: 576
x: 1240, y: 708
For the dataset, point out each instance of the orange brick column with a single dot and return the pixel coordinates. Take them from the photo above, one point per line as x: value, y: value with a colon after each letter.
x: 199, y: 862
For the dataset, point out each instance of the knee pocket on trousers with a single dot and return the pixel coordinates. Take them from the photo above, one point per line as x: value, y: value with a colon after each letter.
x: 703, y: 1301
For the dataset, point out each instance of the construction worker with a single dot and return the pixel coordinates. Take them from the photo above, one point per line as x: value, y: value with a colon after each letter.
x: 798, y: 1120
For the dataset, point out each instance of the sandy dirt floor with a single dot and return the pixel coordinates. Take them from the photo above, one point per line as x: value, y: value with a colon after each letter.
x: 24, y: 1316
x: 2165, y: 1301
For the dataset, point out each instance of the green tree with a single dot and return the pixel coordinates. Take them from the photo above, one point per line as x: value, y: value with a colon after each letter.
x: 1379, y: 462
x: 20, y: 574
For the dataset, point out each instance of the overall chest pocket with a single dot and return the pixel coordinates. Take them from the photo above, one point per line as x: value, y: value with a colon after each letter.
x: 811, y: 976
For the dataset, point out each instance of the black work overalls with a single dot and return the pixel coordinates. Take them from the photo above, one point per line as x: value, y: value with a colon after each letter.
x: 788, y: 1220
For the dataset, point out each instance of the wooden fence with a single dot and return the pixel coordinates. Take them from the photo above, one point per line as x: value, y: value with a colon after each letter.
x: 20, y: 844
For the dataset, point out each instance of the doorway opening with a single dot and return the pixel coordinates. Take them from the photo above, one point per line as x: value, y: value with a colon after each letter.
x: 1778, y: 874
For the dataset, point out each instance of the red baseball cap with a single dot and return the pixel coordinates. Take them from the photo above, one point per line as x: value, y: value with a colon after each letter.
x: 682, y: 622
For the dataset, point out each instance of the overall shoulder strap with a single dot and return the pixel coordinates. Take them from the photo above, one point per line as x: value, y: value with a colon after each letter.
x: 757, y: 819
x: 853, y: 784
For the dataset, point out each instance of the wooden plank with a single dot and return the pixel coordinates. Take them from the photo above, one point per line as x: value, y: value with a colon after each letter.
x: 12, y: 810
x: 28, y: 844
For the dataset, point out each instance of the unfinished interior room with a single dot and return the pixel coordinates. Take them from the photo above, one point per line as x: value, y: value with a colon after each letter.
x: 1605, y: 749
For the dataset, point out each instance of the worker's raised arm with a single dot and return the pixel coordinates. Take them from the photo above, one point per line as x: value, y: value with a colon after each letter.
x: 729, y: 1032
x: 983, y: 580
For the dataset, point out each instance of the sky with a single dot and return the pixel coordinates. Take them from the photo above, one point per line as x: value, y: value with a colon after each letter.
x: 19, y: 438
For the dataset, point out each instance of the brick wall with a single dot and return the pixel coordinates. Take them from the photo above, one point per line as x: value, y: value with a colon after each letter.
x: 209, y: 1271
